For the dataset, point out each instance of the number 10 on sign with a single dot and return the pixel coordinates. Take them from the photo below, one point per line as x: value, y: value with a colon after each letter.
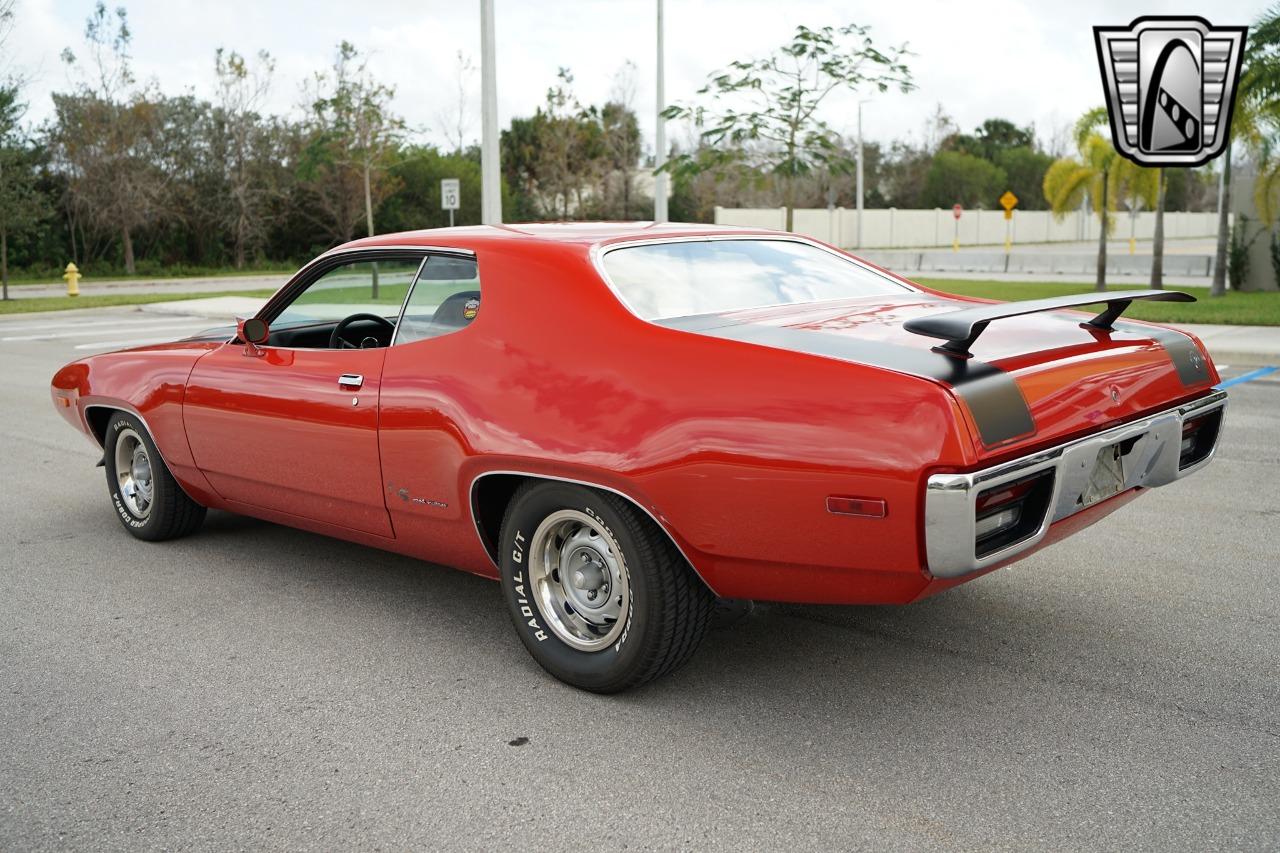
x: 450, y: 195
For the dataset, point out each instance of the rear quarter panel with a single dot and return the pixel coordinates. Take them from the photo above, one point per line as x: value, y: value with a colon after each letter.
x: 733, y: 447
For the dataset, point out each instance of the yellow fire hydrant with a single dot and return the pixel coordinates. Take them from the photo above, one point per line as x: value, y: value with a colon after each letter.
x: 72, y: 277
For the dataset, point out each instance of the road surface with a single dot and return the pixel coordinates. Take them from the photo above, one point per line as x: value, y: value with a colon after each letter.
x: 258, y: 687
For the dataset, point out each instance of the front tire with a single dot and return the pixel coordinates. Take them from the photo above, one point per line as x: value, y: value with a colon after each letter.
x: 145, y: 496
x: 598, y: 593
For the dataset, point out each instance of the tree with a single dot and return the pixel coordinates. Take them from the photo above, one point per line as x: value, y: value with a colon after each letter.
x: 955, y: 177
x: 1254, y: 122
x: 570, y: 141
x: 1136, y: 187
x: 996, y: 135
x: 555, y: 157
x: 1024, y: 170
x: 521, y: 152
x: 354, y: 137
x: 906, y: 163
x: 6, y: 21
x: 1099, y: 173
x: 22, y: 205
x: 418, y: 171
x: 621, y: 135
x: 1157, y: 238
x: 105, y: 137
x: 1013, y: 149
x: 242, y: 87
x: 766, y: 110
x: 455, y: 122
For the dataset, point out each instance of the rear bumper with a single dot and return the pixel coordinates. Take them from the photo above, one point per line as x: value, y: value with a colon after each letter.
x: 1152, y: 458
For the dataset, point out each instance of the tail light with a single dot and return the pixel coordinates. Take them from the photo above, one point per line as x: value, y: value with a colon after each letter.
x: 1011, y: 512
x: 1199, y: 435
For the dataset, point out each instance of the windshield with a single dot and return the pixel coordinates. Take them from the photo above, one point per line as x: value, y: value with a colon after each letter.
x: 679, y: 279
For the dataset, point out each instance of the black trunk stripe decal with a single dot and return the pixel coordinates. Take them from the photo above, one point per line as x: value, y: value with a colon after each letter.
x: 991, y: 395
x: 1192, y: 367
x: 998, y: 408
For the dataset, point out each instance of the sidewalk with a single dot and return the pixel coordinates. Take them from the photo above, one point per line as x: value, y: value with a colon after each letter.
x: 206, y: 284
x: 1239, y: 346
x: 223, y: 308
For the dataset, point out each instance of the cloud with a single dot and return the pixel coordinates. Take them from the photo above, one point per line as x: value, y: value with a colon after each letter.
x: 1032, y: 62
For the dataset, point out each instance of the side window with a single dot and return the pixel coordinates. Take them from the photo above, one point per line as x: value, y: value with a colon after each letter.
x: 372, y: 287
x: 445, y: 298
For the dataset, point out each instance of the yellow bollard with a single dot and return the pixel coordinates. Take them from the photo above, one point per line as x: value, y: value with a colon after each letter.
x: 72, y: 277
x: 1133, y: 245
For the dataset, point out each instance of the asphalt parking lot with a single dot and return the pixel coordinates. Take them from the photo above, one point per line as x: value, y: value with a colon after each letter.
x: 259, y: 687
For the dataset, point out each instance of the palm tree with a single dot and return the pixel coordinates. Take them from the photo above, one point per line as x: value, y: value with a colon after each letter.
x: 1161, y: 184
x: 1136, y: 184
x: 1253, y: 123
x: 1102, y: 175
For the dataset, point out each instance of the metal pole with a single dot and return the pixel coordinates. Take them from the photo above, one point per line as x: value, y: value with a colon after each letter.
x: 490, y: 181
x: 660, y: 136
x: 859, y: 179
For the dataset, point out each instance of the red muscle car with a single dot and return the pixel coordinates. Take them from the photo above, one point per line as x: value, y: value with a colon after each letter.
x: 625, y: 422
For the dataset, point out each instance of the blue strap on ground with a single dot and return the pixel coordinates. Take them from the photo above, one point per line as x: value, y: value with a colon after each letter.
x: 1249, y: 377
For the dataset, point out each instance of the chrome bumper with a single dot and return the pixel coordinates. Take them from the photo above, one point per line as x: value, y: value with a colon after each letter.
x: 950, y: 506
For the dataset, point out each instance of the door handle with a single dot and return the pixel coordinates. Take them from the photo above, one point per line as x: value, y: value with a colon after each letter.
x: 350, y: 380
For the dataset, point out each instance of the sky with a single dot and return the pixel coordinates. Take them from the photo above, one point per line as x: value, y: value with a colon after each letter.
x: 1031, y: 62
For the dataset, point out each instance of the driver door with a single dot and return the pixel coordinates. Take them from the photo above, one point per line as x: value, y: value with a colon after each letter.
x: 292, y: 425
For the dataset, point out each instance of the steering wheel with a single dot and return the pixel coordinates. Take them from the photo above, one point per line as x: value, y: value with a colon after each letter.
x: 336, y: 341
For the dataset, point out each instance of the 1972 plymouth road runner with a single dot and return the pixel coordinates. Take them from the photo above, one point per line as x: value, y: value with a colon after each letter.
x: 622, y: 422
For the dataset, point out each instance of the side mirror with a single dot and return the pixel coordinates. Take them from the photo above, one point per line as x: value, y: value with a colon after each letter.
x: 253, y: 330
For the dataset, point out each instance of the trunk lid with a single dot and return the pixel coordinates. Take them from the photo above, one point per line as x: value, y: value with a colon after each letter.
x: 1033, y: 379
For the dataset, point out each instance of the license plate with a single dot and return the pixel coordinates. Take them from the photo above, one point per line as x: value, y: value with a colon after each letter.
x: 1107, y: 477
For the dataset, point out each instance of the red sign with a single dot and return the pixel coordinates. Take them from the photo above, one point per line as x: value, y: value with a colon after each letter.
x: 956, y: 211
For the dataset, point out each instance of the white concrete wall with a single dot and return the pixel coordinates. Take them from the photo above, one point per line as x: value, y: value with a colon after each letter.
x: 892, y: 228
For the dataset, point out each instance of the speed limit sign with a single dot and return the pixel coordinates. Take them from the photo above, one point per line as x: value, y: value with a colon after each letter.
x: 450, y: 193
x: 450, y: 196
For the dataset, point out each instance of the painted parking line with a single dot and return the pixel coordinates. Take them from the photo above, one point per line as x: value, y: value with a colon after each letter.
x: 195, y: 325
x: 123, y: 322
x: 133, y: 342
x: 1249, y: 377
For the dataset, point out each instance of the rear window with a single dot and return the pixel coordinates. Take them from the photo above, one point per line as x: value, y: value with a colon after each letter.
x: 680, y: 279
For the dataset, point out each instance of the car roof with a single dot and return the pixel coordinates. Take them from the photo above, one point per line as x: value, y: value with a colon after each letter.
x: 584, y: 234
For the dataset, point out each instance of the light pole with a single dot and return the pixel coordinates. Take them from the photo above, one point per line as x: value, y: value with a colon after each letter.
x: 859, y: 173
x: 490, y: 182
x: 660, y: 137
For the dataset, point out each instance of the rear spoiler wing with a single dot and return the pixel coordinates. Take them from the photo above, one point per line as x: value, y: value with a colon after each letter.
x: 961, y: 328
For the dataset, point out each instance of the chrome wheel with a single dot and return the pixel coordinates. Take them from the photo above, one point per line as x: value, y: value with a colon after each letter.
x: 133, y: 473
x: 579, y: 577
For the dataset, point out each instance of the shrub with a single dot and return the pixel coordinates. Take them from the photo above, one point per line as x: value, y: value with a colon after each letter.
x: 1275, y: 256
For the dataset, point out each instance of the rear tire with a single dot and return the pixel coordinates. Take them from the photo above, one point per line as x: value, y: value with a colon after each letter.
x: 146, y: 498
x: 598, y: 593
